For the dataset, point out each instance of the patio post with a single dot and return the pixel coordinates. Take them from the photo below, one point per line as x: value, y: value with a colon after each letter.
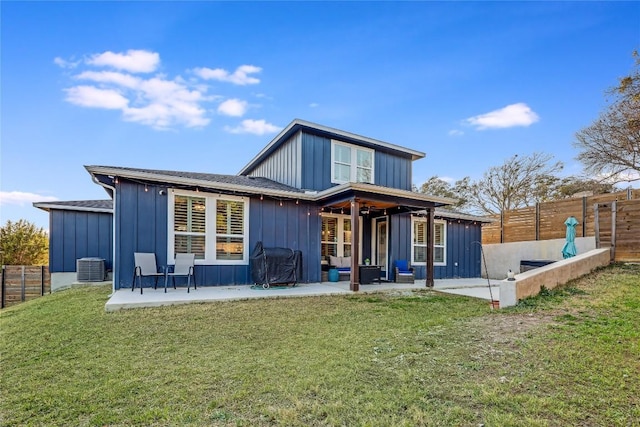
x: 430, y: 246
x: 355, y: 245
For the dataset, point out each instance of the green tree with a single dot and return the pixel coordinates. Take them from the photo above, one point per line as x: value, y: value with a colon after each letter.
x: 436, y: 186
x: 609, y: 148
x: 22, y: 243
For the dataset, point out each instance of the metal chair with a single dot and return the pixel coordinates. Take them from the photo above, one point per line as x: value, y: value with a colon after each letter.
x: 145, y: 266
x: 404, y: 272
x: 184, y: 267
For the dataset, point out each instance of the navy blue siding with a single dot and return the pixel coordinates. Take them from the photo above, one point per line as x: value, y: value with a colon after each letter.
x: 142, y: 227
x: 390, y: 170
x: 76, y: 234
x: 461, y: 248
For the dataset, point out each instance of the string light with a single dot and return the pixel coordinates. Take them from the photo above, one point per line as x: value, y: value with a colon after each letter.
x: 145, y: 188
x: 261, y: 197
x: 116, y: 181
x: 297, y: 201
x: 280, y: 202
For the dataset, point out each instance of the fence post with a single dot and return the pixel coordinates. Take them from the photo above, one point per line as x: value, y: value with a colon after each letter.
x: 4, y: 289
x: 23, y: 291
x: 502, y: 226
x: 42, y: 280
x: 584, y: 216
x: 614, y: 212
x: 596, y: 225
x: 537, y: 221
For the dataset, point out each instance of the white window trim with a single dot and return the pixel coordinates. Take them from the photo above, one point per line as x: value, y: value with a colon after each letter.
x: 210, y: 226
x: 353, y: 166
x: 437, y: 221
x: 340, y: 234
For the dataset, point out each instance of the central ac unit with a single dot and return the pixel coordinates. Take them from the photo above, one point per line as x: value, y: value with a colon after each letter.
x: 90, y: 269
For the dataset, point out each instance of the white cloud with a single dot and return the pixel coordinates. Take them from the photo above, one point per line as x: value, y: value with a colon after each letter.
x: 256, y: 127
x: 21, y: 198
x: 62, y: 63
x: 510, y: 116
x: 239, y: 77
x: 135, y: 61
x: 120, y: 79
x: 155, y: 100
x: 314, y: 105
x: 233, y: 107
x: 93, y: 97
x: 456, y: 132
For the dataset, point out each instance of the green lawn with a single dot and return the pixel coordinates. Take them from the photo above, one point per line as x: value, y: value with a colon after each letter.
x: 569, y: 357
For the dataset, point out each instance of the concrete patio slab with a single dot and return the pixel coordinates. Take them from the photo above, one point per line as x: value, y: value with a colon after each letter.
x: 125, y: 298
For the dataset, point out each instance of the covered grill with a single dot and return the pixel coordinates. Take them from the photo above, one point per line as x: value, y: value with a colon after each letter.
x: 271, y: 266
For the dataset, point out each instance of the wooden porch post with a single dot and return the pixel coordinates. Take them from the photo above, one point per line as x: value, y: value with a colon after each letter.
x: 430, y: 245
x: 355, y: 245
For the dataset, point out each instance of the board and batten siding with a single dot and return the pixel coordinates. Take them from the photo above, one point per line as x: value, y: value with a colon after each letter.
x: 141, y: 225
x: 463, y: 251
x: 284, y: 165
x: 79, y: 234
x: 390, y: 170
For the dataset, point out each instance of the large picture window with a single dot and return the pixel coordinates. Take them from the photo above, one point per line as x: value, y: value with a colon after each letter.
x: 214, y: 228
x: 350, y: 163
x: 419, y: 242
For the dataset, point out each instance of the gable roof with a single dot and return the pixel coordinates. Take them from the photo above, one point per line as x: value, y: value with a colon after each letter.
x: 105, y: 206
x: 328, y: 132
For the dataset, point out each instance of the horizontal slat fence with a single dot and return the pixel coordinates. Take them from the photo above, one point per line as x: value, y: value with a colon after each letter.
x: 546, y: 221
x: 21, y: 283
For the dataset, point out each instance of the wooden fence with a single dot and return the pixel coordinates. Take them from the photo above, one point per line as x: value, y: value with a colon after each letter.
x: 21, y: 283
x: 614, y: 219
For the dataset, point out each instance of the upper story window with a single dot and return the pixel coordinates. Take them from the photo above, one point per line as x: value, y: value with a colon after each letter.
x: 419, y: 242
x: 350, y: 163
x: 214, y: 228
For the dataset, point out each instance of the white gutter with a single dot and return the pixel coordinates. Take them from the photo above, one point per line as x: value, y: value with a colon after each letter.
x: 113, y: 255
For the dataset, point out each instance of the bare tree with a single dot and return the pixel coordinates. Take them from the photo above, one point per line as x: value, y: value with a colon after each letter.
x: 610, y: 146
x: 520, y: 181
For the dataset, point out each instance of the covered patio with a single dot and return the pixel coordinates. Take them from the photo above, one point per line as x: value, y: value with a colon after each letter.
x: 126, y: 299
x: 368, y: 202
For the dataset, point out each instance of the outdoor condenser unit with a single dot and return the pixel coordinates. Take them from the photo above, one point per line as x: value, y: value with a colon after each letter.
x: 90, y: 269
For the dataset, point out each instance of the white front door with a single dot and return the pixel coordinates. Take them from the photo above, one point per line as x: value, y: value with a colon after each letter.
x: 381, y: 246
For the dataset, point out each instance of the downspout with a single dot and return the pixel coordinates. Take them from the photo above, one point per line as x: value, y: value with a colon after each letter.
x: 113, y: 237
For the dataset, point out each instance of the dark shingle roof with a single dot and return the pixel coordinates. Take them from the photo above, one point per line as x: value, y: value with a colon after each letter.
x: 256, y: 183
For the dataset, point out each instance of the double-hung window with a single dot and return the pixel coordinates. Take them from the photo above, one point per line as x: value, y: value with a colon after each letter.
x: 213, y: 227
x: 419, y: 242
x: 350, y: 163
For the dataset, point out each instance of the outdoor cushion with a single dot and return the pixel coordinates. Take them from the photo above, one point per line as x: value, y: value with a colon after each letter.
x: 403, y: 266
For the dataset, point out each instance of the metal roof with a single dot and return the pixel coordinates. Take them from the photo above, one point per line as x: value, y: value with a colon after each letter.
x: 77, y: 205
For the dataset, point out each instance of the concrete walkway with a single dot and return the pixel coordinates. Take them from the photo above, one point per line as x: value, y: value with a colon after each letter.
x: 125, y: 298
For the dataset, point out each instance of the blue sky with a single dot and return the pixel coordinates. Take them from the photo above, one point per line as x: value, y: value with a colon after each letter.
x: 203, y: 86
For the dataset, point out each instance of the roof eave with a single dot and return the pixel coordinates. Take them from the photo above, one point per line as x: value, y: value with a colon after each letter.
x: 191, y: 182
